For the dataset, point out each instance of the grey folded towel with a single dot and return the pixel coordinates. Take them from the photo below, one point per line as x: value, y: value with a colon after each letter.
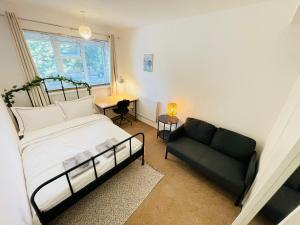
x: 108, y: 144
x: 76, y: 160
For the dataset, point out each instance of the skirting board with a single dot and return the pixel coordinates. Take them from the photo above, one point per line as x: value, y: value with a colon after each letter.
x: 147, y: 121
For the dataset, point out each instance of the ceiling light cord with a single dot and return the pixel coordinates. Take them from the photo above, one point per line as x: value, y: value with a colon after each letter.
x: 84, y: 30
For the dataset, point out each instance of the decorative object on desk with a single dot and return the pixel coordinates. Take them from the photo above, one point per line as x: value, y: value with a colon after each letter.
x: 84, y: 30
x: 121, y: 80
x: 172, y: 109
x: 166, y: 120
x: 121, y: 85
x: 148, y: 62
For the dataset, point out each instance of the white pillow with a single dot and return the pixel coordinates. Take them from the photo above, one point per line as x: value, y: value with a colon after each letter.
x: 78, y: 108
x: 34, y: 118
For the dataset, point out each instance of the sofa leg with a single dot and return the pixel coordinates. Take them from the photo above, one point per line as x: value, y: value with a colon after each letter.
x: 239, y: 200
x: 166, y: 155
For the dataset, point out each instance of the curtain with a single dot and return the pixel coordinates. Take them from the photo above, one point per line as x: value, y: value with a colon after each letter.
x: 36, y: 94
x: 113, y: 66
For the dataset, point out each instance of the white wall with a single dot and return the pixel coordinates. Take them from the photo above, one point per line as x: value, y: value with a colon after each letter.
x: 233, y: 68
x: 14, y: 204
x: 11, y: 71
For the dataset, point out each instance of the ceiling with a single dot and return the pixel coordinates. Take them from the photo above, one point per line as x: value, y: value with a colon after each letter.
x: 296, y: 18
x: 134, y: 13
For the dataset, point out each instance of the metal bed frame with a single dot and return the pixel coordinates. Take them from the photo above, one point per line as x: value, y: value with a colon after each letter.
x: 46, y: 216
x: 76, y: 86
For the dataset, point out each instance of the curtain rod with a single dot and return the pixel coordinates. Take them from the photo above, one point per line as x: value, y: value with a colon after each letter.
x: 55, y: 25
x: 64, y: 35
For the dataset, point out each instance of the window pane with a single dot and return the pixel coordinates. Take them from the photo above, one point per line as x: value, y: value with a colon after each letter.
x: 73, y: 68
x: 95, y: 56
x: 94, y: 63
x: 74, y: 58
x: 43, y: 57
x: 69, y: 49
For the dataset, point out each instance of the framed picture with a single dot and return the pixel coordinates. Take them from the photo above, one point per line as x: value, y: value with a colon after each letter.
x: 148, y: 62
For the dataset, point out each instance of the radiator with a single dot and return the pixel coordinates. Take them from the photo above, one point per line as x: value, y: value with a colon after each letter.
x: 147, y: 109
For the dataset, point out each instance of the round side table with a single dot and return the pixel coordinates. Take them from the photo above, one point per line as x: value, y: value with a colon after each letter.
x: 166, y: 119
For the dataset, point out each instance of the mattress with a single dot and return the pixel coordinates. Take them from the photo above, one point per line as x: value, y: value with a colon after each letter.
x: 44, y: 150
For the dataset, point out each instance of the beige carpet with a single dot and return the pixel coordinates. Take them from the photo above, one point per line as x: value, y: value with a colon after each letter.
x: 113, y: 202
x: 184, y: 196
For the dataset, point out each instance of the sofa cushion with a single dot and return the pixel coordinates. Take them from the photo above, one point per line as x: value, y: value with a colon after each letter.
x: 227, y: 171
x: 233, y: 144
x: 283, y: 202
x: 188, y: 149
x: 199, y: 130
x: 221, y: 168
x: 294, y: 180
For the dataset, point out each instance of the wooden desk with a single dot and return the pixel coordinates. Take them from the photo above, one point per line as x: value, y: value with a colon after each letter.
x: 111, y: 102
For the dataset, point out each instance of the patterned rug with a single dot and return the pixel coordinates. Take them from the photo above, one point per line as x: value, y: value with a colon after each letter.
x: 113, y: 202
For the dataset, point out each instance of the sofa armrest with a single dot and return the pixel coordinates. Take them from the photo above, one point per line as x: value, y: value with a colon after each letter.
x: 175, y: 134
x: 250, y: 175
x: 251, y: 171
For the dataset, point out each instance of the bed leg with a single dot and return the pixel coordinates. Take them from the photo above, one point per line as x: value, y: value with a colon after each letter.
x: 143, y: 159
x: 166, y: 155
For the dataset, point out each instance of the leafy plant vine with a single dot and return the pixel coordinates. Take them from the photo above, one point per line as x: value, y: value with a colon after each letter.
x: 8, y: 95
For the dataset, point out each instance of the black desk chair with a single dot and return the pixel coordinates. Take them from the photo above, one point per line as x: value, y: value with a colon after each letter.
x: 122, y: 110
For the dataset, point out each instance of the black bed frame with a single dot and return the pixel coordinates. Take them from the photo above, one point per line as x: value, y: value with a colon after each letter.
x: 46, y: 216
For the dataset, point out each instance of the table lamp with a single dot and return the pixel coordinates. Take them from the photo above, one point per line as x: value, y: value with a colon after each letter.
x: 172, y: 109
x: 121, y: 85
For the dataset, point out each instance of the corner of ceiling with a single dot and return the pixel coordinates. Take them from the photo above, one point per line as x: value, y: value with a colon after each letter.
x: 296, y: 16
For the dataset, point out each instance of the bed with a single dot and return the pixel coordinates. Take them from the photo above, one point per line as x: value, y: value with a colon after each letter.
x: 49, y: 185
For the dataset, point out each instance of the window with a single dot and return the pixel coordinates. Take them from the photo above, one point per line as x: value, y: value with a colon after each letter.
x: 75, y: 58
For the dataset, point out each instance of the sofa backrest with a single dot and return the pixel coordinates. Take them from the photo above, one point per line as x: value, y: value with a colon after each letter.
x: 294, y: 180
x: 233, y: 144
x: 199, y: 130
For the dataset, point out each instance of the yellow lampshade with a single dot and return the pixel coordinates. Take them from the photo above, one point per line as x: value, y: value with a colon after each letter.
x: 172, y: 109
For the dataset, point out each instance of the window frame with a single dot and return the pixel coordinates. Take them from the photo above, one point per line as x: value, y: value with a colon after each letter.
x: 59, y: 59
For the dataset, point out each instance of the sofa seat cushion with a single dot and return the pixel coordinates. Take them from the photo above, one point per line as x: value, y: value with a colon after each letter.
x: 221, y: 168
x: 233, y: 144
x: 283, y: 202
x: 199, y: 130
x: 188, y: 149
x: 225, y: 170
x: 294, y: 180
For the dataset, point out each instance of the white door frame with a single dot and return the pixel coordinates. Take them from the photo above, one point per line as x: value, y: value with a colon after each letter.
x: 293, y: 218
x: 279, y: 159
x: 272, y: 184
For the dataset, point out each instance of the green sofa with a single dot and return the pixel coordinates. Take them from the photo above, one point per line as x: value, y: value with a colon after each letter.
x: 224, y: 156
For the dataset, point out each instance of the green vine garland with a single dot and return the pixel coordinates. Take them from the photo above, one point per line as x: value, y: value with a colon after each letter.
x: 9, y: 96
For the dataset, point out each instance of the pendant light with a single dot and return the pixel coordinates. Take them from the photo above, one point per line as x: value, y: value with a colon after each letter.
x: 84, y: 31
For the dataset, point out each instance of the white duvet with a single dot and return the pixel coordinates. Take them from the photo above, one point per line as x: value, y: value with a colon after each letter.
x: 43, y: 152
